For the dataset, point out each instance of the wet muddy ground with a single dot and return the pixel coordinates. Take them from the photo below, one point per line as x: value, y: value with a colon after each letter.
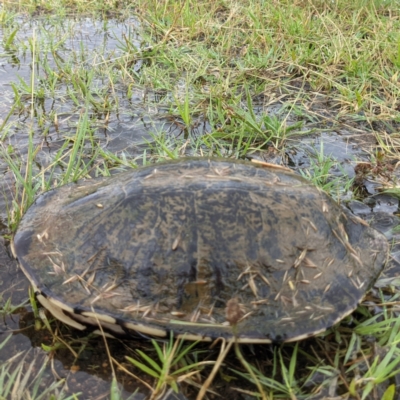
x: 127, y: 130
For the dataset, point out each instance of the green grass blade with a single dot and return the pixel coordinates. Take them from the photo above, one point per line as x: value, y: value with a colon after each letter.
x: 143, y: 367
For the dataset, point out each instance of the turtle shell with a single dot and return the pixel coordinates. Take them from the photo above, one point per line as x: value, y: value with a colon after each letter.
x: 200, y: 248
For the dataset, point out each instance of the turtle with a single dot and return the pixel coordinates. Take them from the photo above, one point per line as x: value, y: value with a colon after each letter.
x: 199, y: 248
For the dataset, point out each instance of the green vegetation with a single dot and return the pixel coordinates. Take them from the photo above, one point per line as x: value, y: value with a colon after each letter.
x: 171, y: 355
x: 97, y: 87
x: 19, y: 382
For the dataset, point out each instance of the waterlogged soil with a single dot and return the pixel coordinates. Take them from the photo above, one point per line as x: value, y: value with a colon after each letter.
x: 66, y: 44
x: 81, y: 361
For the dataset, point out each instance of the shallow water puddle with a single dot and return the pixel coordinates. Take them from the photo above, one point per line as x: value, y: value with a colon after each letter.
x: 81, y: 48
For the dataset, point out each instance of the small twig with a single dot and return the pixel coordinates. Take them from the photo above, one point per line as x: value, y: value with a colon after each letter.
x: 222, y: 354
